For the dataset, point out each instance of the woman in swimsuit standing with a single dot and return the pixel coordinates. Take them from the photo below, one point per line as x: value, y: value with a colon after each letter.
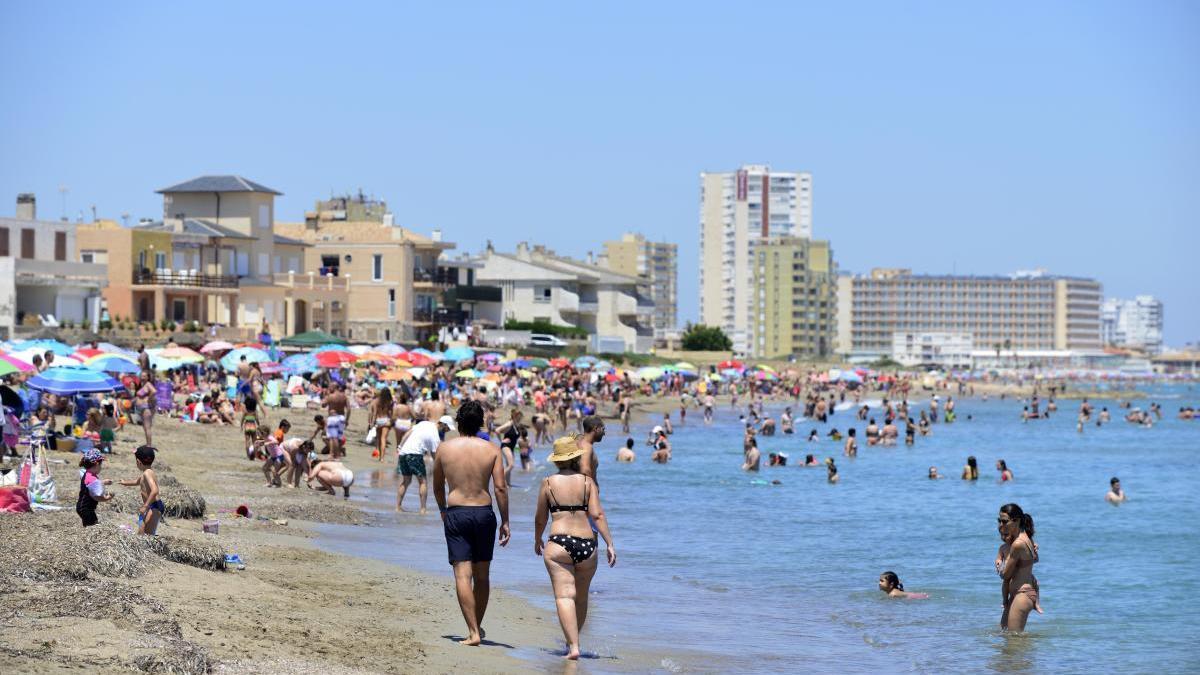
x: 145, y: 403
x: 1014, y: 564
x: 570, y: 499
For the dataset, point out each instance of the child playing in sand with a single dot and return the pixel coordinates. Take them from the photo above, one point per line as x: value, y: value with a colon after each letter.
x: 319, y: 420
x: 297, y: 450
x: 91, y: 488
x: 152, y: 509
x: 282, y: 430
x: 250, y: 426
x: 273, y: 456
x: 331, y: 474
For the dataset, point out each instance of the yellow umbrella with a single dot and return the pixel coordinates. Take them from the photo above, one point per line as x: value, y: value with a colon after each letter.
x: 525, y: 373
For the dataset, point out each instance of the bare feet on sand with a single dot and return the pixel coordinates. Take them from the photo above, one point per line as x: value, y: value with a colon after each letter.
x: 572, y: 653
x: 472, y: 641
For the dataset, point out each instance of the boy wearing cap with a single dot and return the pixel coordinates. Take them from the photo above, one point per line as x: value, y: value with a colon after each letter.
x: 468, y: 464
x: 422, y: 438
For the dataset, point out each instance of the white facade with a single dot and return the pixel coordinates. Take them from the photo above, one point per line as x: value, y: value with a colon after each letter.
x: 537, y: 285
x: 951, y: 350
x: 1134, y: 324
x: 737, y: 208
x: 41, y: 278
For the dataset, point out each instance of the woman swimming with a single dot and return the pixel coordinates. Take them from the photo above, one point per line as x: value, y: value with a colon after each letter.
x: 890, y: 583
x: 971, y: 470
x: 1005, y: 474
x: 570, y: 499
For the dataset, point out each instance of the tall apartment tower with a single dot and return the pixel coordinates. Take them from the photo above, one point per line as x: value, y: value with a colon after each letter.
x: 1136, y: 324
x: 656, y: 265
x: 737, y: 209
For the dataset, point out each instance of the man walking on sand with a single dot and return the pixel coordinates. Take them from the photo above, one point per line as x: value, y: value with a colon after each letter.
x: 468, y: 464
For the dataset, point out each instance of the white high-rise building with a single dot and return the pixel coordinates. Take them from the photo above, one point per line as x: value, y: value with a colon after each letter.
x: 738, y: 208
x: 1135, y: 324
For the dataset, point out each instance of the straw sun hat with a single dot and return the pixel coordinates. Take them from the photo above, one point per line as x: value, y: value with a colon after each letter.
x: 566, y: 449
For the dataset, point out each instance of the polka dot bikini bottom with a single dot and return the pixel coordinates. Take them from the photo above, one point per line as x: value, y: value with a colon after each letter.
x: 578, y: 548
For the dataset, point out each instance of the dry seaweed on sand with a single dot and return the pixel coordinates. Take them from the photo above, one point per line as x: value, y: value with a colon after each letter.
x: 54, y: 546
x: 179, y: 500
x: 175, y: 656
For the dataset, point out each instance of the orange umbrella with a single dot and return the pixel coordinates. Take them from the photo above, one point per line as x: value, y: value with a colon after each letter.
x: 393, y: 375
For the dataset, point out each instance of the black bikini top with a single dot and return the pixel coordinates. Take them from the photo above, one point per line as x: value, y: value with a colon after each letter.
x: 555, y: 507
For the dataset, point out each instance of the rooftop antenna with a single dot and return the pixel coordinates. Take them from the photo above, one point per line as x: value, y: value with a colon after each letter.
x: 125, y: 219
x: 93, y: 213
x: 62, y: 191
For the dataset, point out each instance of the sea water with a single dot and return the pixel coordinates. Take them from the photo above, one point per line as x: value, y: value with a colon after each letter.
x: 719, y: 572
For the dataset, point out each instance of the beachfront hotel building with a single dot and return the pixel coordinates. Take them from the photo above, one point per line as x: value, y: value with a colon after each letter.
x: 738, y: 208
x: 538, y: 285
x: 795, y: 296
x: 1133, y: 324
x: 215, y: 258
x: 43, y: 281
x: 656, y: 264
x: 1028, y: 311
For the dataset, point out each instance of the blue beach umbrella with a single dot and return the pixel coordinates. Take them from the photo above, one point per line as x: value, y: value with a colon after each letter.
x: 55, y: 346
x: 458, y: 354
x: 300, y: 364
x: 113, y: 363
x: 329, y: 348
x: 71, y: 380
x: 585, y: 361
x: 253, y: 355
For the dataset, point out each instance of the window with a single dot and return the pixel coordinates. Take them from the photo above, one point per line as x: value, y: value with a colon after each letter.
x: 264, y: 264
x: 160, y: 260
x: 278, y: 264
x: 264, y: 216
x: 27, y: 241
x: 87, y: 257
x: 377, y: 269
x: 60, y: 245
x: 4, y: 241
x: 243, y: 263
x: 391, y: 303
x: 541, y: 294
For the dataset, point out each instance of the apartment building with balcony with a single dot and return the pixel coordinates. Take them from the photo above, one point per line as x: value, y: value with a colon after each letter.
x: 216, y: 258
x: 539, y: 285
x: 398, y: 278
x: 1031, y: 311
x: 737, y: 209
x: 656, y: 264
x: 795, y: 296
x: 1133, y: 324
x: 42, y: 279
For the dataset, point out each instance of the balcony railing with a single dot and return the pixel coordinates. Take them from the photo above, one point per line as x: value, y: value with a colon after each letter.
x: 187, y: 279
x: 442, y: 316
x: 439, y: 276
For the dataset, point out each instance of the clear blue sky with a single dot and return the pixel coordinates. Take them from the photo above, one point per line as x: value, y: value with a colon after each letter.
x: 968, y: 137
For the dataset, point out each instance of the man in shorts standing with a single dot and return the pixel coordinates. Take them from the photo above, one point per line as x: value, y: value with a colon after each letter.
x: 422, y: 438
x: 468, y: 464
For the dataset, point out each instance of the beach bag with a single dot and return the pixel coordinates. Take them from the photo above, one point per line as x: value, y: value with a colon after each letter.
x: 370, y: 439
x: 41, y: 484
x: 8, y: 477
x: 14, y: 499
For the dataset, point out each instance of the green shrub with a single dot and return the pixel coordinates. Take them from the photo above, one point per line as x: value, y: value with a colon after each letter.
x: 546, y: 328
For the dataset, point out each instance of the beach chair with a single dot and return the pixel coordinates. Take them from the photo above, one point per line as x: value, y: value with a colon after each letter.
x: 299, y: 401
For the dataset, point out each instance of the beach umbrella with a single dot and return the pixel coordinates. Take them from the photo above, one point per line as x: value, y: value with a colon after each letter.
x: 71, y: 380
x: 416, y: 358
x: 764, y: 367
x: 426, y: 352
x: 376, y: 357
x: 731, y: 373
x: 466, y: 374
x: 395, y: 374
x: 60, y: 361
x: 18, y: 365
x: 113, y: 363
x: 43, y: 346
x: 714, y: 377
x: 7, y: 368
x: 271, y: 368
x: 730, y: 365
x: 539, y: 362
x: 334, y: 358
x: 331, y: 347
x: 389, y: 348
x: 650, y: 372
x: 457, y: 354
x: 85, y: 353
x: 602, y: 366
x: 525, y: 373
x: 253, y: 355
x: 585, y: 361
x: 558, y: 363
x: 489, y: 357
x: 358, y: 349
x: 110, y: 348
x: 300, y: 364
x: 684, y: 365
x: 250, y: 345
x: 763, y: 375
x: 216, y: 346
x: 516, y: 363
x: 417, y: 372
x: 181, y: 354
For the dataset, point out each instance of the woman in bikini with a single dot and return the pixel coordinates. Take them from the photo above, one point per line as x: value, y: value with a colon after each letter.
x: 568, y: 499
x: 381, y: 412
x: 1014, y: 564
x: 144, y: 403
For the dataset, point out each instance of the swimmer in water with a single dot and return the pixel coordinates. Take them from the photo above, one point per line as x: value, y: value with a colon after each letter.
x: 971, y: 470
x: 890, y: 584
x: 835, y: 435
x: 809, y: 460
x: 813, y: 437
x: 1116, y: 496
x: 851, y: 447
x: 1005, y: 474
x: 752, y: 455
x: 933, y: 473
x: 626, y: 453
x: 831, y: 470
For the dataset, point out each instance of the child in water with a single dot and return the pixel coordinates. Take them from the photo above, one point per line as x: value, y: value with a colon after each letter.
x: 152, y: 509
x: 890, y: 583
